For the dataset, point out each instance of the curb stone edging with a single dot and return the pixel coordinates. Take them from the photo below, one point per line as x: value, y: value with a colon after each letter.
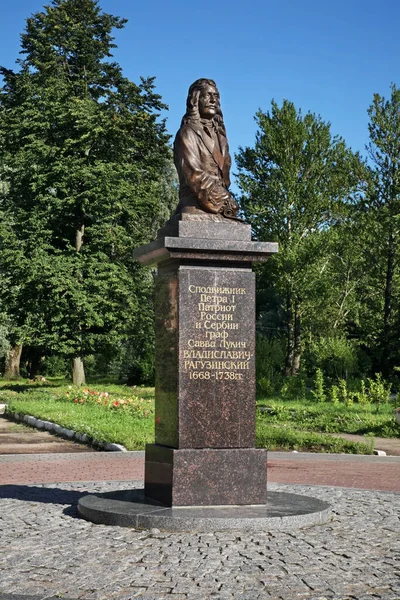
x: 68, y: 434
x: 379, y: 452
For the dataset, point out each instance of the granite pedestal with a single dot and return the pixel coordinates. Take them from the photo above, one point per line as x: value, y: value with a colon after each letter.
x: 203, y: 472
x: 204, y: 452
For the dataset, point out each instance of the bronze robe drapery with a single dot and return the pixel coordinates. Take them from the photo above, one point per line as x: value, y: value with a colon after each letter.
x: 203, y: 163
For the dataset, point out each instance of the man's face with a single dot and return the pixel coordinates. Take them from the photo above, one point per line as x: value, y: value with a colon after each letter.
x: 208, y: 102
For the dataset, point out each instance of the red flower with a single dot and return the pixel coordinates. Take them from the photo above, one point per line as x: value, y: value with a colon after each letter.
x: 158, y: 420
x: 76, y: 400
x: 116, y: 403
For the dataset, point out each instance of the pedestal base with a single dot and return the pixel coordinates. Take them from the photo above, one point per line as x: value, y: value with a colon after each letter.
x: 131, y: 508
x: 205, y: 477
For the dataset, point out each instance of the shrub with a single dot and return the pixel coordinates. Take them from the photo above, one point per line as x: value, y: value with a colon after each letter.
x: 56, y: 366
x: 335, y: 356
x: 319, y: 390
x: 378, y: 392
x: 334, y: 395
x: 293, y: 388
x: 265, y: 386
x: 362, y: 397
x: 344, y: 395
x: 270, y: 358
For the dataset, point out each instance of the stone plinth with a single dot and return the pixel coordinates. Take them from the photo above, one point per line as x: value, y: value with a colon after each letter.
x: 205, y: 365
x: 206, y: 477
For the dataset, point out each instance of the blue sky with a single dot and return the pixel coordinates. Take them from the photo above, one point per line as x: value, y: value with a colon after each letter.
x: 326, y: 57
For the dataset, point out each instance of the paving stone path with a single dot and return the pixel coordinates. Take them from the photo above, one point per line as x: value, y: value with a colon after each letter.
x: 46, y: 552
x: 19, y: 439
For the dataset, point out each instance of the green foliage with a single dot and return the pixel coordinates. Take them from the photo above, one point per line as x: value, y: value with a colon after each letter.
x: 381, y: 289
x: 319, y: 388
x: 378, y: 390
x: 293, y: 388
x: 326, y: 417
x: 265, y: 387
x: 88, y: 177
x: 335, y: 356
x: 4, y: 343
x: 280, y: 425
x: 290, y: 438
x: 270, y: 356
x: 117, y: 415
x: 55, y: 366
x: 361, y: 396
x: 343, y: 393
x: 334, y: 395
x: 295, y: 182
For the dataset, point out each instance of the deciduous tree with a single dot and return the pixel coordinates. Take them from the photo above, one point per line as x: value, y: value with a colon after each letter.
x: 295, y: 182
x: 86, y: 157
x: 383, y: 205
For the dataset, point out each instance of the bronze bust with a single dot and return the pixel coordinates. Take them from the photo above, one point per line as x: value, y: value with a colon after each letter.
x: 201, y: 155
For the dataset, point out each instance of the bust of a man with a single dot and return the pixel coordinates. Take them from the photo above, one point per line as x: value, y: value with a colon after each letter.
x: 201, y: 155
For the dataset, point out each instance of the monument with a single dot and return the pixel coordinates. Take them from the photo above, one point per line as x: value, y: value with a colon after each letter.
x: 204, y: 450
x: 203, y: 472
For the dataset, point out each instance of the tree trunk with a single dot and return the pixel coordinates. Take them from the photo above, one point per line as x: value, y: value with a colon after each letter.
x: 78, y: 371
x: 34, y: 365
x: 289, y: 336
x: 12, y: 362
x: 388, y: 300
x: 296, y: 342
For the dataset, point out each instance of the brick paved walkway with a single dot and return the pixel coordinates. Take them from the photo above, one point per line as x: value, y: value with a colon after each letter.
x: 363, y: 472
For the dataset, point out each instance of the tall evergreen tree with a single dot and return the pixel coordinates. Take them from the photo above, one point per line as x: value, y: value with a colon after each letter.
x: 86, y: 158
x: 295, y: 182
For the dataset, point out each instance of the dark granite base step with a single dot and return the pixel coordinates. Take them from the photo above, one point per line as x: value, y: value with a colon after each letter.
x: 130, y: 508
x: 205, y: 477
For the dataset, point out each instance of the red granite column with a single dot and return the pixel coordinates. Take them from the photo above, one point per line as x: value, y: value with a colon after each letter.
x: 204, y: 450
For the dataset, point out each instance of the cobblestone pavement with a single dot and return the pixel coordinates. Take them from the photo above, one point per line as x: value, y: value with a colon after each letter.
x: 47, y: 551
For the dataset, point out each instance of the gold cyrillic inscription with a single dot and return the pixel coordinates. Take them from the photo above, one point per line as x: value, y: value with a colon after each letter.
x: 213, y: 355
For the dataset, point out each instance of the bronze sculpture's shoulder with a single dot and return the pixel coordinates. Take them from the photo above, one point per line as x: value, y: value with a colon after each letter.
x: 187, y: 132
x: 189, y: 128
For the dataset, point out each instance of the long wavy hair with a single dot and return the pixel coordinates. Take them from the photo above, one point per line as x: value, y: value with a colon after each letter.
x: 192, y: 115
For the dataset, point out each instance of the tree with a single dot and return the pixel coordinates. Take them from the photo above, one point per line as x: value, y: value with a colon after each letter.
x: 10, y: 346
x: 86, y: 160
x: 383, y: 205
x: 295, y: 182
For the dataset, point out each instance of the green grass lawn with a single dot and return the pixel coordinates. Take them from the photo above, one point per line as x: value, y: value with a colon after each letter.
x: 130, y: 423
x: 125, y: 415
x: 369, y: 419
